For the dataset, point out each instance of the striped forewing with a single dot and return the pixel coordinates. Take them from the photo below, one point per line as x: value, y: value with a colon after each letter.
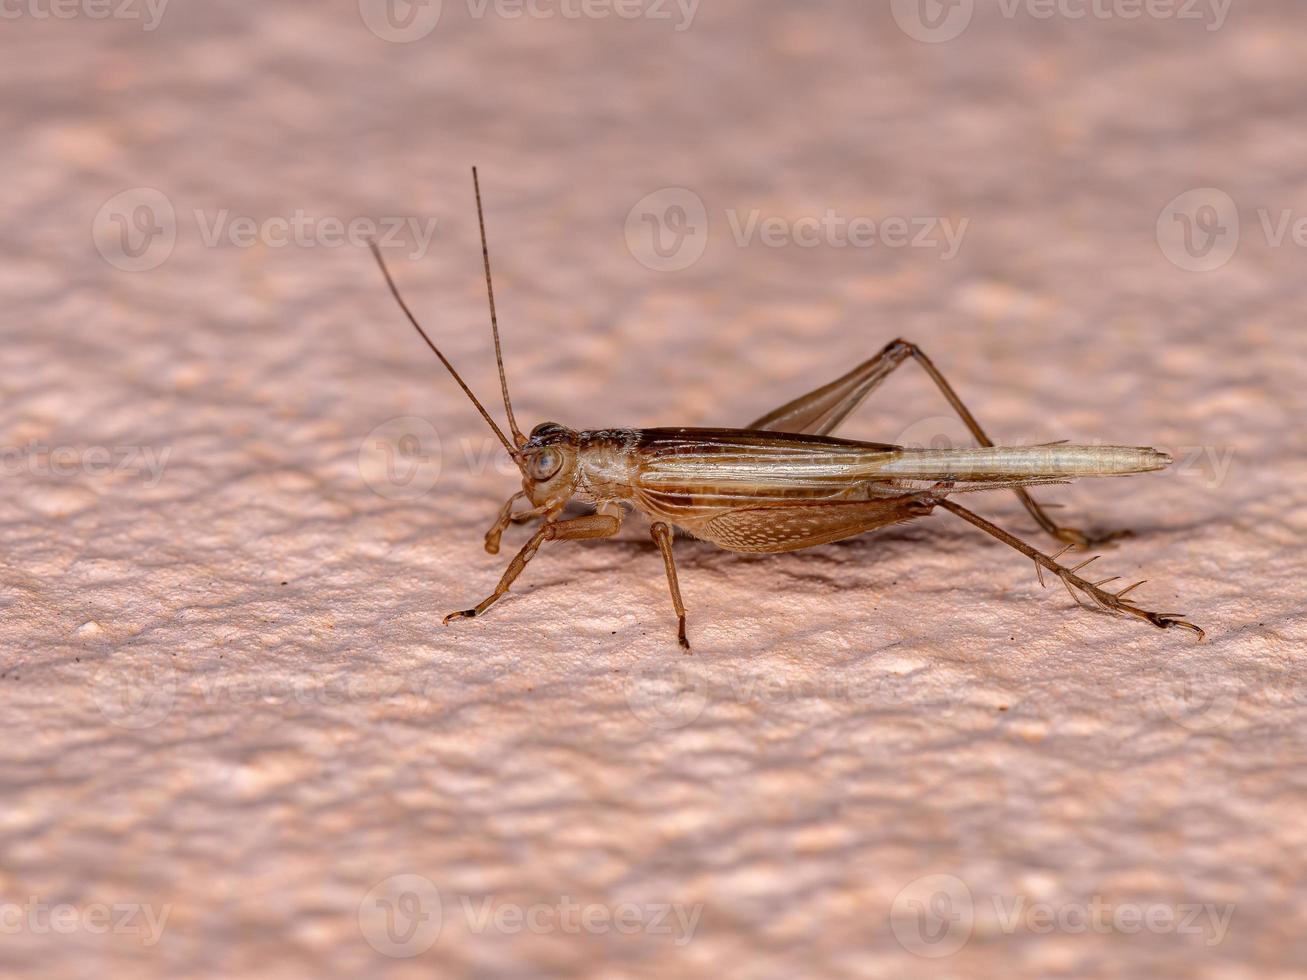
x: 689, y: 472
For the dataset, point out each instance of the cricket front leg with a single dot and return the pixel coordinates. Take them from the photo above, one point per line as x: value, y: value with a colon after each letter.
x: 821, y: 410
x: 508, y: 516
x: 576, y: 529
x: 1113, y: 602
x: 662, y: 535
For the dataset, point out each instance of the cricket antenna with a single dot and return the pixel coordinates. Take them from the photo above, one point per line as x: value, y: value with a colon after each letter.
x: 394, y: 291
x: 494, y: 320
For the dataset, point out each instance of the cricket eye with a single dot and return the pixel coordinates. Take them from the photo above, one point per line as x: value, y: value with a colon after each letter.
x: 545, y: 464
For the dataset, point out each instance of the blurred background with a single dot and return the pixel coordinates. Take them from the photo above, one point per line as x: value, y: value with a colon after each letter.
x: 239, y: 493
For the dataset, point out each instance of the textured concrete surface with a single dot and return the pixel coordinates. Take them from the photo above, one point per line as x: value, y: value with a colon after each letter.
x: 231, y: 714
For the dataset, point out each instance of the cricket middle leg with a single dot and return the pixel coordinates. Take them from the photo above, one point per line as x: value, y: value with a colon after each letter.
x: 662, y: 535
x: 821, y: 410
x: 1113, y: 602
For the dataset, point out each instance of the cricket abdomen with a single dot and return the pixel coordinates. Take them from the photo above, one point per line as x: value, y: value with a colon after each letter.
x: 768, y: 530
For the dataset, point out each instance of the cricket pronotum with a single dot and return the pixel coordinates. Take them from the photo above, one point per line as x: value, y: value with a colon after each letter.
x: 782, y: 482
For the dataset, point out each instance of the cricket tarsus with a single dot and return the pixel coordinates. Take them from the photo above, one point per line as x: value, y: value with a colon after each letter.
x: 1112, y: 602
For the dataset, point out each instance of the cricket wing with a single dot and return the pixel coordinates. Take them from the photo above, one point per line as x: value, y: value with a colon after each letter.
x: 690, y: 476
x: 994, y: 464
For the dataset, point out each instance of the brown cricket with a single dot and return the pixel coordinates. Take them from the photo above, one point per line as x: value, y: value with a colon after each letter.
x: 782, y: 482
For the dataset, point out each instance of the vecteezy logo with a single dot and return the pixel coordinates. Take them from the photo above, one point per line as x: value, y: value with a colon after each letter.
x: 667, y: 694
x: 933, y: 916
x: 400, y: 21
x: 667, y: 230
x: 401, y: 916
x: 936, y: 432
x: 1197, y: 697
x: 933, y: 21
x: 136, y: 689
x: 1199, y: 230
x: 136, y: 229
x: 400, y: 459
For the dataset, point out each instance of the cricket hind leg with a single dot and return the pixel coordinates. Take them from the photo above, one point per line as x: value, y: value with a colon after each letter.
x: 662, y: 535
x: 1112, y: 602
x: 821, y: 411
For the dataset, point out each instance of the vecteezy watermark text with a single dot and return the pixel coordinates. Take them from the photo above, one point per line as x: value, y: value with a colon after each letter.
x: 402, y: 916
x: 406, y: 21
x: 836, y: 230
x: 680, y: 13
x: 1211, y: 13
x: 573, y: 918
x: 667, y: 230
x: 404, y: 458
x: 935, y: 916
x: 938, y: 21
x: 149, y: 12
x: 672, y: 694
x: 35, y: 459
x: 304, y: 230
x: 137, y: 229
x: 97, y: 918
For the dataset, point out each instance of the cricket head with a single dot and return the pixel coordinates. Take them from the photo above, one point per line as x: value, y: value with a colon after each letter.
x: 550, y: 464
